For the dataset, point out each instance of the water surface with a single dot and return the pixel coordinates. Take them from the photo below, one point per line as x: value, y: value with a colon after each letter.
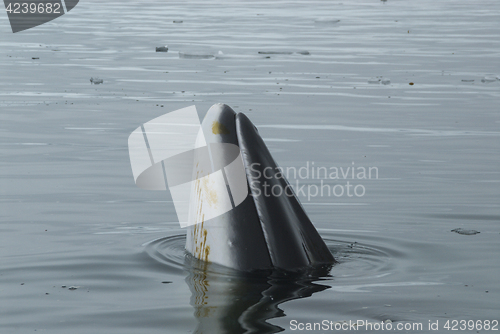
x: 72, y: 216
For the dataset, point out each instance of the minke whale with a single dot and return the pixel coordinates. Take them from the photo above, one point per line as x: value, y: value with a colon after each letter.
x: 238, y: 207
x: 266, y: 230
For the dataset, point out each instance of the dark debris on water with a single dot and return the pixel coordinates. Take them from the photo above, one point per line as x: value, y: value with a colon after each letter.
x: 162, y: 48
x: 96, y: 81
x: 465, y: 232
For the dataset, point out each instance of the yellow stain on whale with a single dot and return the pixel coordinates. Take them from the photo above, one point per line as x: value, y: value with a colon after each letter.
x: 219, y: 129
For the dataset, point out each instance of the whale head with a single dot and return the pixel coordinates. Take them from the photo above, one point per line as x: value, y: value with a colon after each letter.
x: 265, y: 229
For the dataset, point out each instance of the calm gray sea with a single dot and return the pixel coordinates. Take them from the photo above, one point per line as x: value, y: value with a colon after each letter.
x: 409, y: 89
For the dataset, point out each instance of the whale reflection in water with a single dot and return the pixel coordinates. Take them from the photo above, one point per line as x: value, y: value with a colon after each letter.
x: 230, y: 301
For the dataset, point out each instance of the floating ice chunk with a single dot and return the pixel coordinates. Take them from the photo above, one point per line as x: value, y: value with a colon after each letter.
x: 220, y: 55
x: 489, y: 78
x: 162, y: 48
x: 302, y: 52
x: 96, y: 81
x: 379, y: 80
x: 465, y: 232
x: 195, y: 56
